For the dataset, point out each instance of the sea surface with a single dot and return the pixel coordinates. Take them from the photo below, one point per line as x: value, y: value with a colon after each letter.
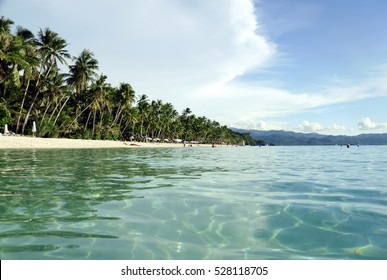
x: 327, y: 202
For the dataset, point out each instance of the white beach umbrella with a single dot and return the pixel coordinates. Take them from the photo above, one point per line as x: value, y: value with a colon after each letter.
x: 6, y: 129
x: 33, y: 127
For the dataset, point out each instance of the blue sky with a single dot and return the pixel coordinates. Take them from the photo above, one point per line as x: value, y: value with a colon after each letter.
x: 301, y: 65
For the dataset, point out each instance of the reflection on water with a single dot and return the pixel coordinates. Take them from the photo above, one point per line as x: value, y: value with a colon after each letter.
x: 224, y: 203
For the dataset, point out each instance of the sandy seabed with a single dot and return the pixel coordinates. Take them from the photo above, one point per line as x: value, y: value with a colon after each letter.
x: 22, y: 142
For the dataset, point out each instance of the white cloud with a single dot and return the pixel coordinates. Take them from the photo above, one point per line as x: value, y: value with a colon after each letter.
x: 307, y: 126
x: 167, y: 48
x: 336, y: 127
x: 367, y: 124
x: 268, y: 102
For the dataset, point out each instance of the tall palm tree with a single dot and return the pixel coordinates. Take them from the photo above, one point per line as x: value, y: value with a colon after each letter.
x: 31, y: 70
x: 124, y: 96
x: 6, y: 48
x: 131, y: 117
x: 83, y: 71
x: 51, y: 48
x: 12, y: 53
x: 56, y: 90
x: 143, y: 111
x: 168, y: 117
x: 100, y: 102
x: 154, y: 116
x: 185, y: 119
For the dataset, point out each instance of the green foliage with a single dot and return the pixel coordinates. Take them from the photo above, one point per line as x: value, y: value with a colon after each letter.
x: 48, y: 130
x: 5, y: 116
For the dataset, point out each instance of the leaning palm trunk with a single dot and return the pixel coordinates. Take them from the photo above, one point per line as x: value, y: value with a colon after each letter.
x: 22, y: 105
x: 87, y: 121
x: 45, y: 113
x: 94, y: 115
x: 34, y: 100
x: 29, y: 112
x: 60, y: 111
x: 53, y: 111
x: 77, y: 116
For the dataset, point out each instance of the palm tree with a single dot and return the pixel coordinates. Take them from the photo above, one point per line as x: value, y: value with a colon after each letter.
x: 131, y: 116
x: 100, y: 100
x: 185, y: 119
x: 8, y: 53
x: 142, y: 106
x: 12, y: 54
x: 168, y: 117
x: 83, y: 71
x: 29, y: 71
x: 124, y: 96
x: 154, y: 115
x: 56, y: 92
x: 51, y: 48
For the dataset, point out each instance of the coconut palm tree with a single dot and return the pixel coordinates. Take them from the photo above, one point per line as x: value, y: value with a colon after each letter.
x: 83, y: 71
x: 56, y: 91
x: 50, y: 48
x: 30, y: 71
x: 143, y: 111
x: 186, y: 118
x: 13, y: 56
x: 131, y: 118
x: 100, y: 101
x: 167, y: 118
x: 124, y: 97
x: 8, y: 49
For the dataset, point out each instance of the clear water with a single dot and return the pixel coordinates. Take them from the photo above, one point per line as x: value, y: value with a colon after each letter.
x: 194, y: 203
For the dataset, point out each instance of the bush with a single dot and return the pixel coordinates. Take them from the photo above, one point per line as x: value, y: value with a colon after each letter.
x: 5, y: 116
x: 48, y: 130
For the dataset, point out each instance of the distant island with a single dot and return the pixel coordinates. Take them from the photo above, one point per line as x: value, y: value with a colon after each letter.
x: 289, y: 138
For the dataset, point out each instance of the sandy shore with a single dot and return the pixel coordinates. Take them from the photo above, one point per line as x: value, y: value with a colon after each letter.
x: 18, y: 142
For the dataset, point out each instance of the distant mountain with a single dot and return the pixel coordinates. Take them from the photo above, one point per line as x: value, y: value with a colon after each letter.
x: 289, y: 138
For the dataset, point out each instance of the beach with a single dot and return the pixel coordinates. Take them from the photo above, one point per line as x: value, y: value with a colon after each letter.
x: 22, y: 142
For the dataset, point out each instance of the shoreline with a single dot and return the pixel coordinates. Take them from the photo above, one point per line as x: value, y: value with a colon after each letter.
x: 25, y: 142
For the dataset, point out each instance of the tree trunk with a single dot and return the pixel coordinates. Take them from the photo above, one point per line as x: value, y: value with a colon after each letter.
x: 45, y: 112
x: 22, y: 105
x: 61, y: 108
x: 94, y: 115
x: 77, y: 116
x: 87, y: 121
x: 29, y: 112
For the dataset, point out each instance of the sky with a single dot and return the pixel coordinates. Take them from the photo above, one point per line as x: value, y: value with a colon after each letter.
x: 297, y: 65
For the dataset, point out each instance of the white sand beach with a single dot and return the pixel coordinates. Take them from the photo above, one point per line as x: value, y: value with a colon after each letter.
x: 21, y: 142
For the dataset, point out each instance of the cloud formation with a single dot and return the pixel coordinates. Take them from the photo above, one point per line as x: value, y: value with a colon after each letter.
x: 367, y: 124
x: 307, y: 126
x: 170, y: 48
x: 310, y: 127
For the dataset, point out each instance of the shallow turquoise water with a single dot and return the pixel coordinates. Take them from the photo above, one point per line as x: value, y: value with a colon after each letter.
x: 194, y: 203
